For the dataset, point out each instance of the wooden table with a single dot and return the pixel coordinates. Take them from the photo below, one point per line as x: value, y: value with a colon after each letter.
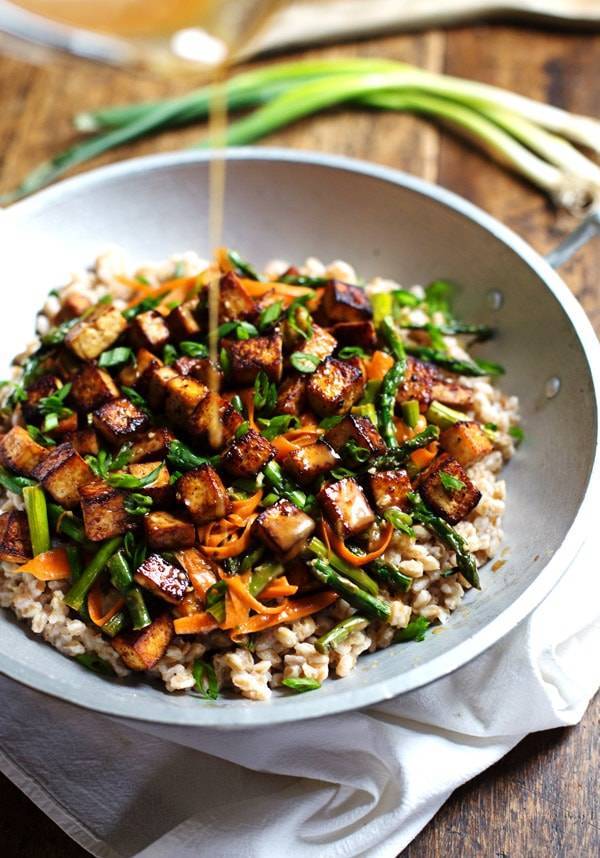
x: 540, y: 799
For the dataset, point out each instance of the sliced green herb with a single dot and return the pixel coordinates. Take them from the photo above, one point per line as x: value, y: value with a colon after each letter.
x: 137, y: 504
x: 330, y: 422
x: 57, y: 335
x: 54, y: 409
x: 243, y: 268
x: 180, y: 456
x: 40, y: 438
x: 128, y: 481
x: 136, y: 398
x: 142, y: 307
x: 205, y: 679
x: 517, y: 433
x: 304, y: 361
x: 270, y: 315
x: 92, y: 661
x: 169, y: 354
x: 351, y: 351
x: 242, y: 429
x: 415, y: 631
x: 192, y: 349
x: 450, y: 482
x: 115, y: 357
x: 301, y: 684
x: 265, y: 393
x: 400, y: 520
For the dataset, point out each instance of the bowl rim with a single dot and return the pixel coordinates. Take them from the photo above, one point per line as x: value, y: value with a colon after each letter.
x: 251, y: 714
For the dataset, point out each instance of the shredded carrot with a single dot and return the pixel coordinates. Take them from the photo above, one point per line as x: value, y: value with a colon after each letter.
x: 50, y: 565
x: 194, y: 624
x: 185, y: 283
x: 234, y: 546
x: 237, y: 609
x: 280, y: 588
x: 304, y: 435
x: 246, y: 507
x: 256, y: 289
x: 95, y: 607
x: 237, y: 584
x: 197, y: 568
x: 290, y: 612
x: 378, y: 365
x: 342, y: 551
x: 403, y: 432
x: 283, y: 447
x: 423, y: 457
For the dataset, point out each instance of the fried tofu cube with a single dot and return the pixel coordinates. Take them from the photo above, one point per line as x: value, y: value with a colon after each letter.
x: 85, y: 441
x: 142, y: 650
x: 138, y: 375
x: 291, y: 396
x: 448, y: 491
x: 157, y: 380
x: 166, y: 532
x: 208, y: 373
x: 185, y: 365
x: 15, y: 544
x: 390, y: 488
x: 251, y: 356
x: 234, y: 302
x: 66, y: 426
x: 451, y: 393
x: 343, y: 302
x: 182, y: 321
x: 214, y: 410
x: 321, y: 343
x: 284, y: 528
x: 183, y: 396
x: 417, y: 383
x: 151, y: 445
x: 307, y: 463
x: 20, y: 453
x: 163, y: 579
x: 357, y: 429
x: 202, y: 493
x: 120, y: 420
x: 160, y: 489
x: 334, y: 387
x: 149, y: 331
x: 346, y: 507
x: 103, y: 509
x: 246, y: 456
x: 62, y: 473
x: 466, y: 442
x: 361, y: 334
x: 72, y: 306
x: 45, y: 385
x: 96, y: 333
x: 92, y: 387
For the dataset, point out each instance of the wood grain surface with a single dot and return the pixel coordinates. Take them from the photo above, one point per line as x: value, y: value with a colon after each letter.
x: 541, y: 800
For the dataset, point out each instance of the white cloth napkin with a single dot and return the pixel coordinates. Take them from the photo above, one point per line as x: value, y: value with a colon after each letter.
x: 364, y: 783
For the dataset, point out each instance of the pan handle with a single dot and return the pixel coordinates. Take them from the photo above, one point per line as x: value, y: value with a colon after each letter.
x: 586, y: 230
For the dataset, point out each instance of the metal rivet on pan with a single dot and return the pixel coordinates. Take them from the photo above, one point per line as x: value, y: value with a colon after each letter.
x: 495, y: 299
x: 552, y: 387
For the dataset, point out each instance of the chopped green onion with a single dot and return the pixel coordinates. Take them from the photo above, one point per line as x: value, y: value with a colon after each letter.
x: 400, y: 520
x: 339, y: 633
x: 169, y: 354
x: 192, y: 349
x: 241, y: 266
x: 14, y: 483
x: 444, y: 416
x: 137, y: 504
x: 415, y: 631
x: 205, y: 679
x: 367, y: 410
x: 274, y: 426
x: 37, y: 518
x: 117, y: 356
x: 350, y: 352
x: 411, y: 413
x: 382, y: 304
x: 517, y: 433
x: 450, y: 483
x: 270, y: 315
x: 136, y: 398
x: 39, y: 437
x: 304, y: 361
x: 301, y: 684
x: 242, y: 430
x: 92, y: 661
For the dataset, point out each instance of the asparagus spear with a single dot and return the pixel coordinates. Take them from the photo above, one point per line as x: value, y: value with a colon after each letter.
x: 390, y: 575
x: 283, y: 486
x: 461, y: 367
x: 356, y: 574
x: 391, y: 382
x: 451, y: 329
x: 115, y: 625
x: 37, y: 518
x: 398, y: 456
x: 372, y: 606
x: 65, y: 523
x: 443, y: 416
x: 136, y: 605
x: 339, y: 633
x: 76, y: 596
x: 464, y: 559
x: 120, y: 573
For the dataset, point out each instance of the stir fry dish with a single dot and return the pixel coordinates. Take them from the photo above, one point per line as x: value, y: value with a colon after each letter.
x: 252, y: 504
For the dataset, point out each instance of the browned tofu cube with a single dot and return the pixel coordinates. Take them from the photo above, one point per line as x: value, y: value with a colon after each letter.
x: 346, y: 507
x: 204, y: 370
x: 357, y: 429
x: 166, y: 532
x: 234, y: 302
x: 160, y: 490
x: 15, y: 544
x: 96, y: 333
x: 85, y: 441
x: 291, y: 396
x: 162, y: 578
x: 451, y: 393
x: 390, y: 488
x: 120, y: 420
x: 182, y: 321
x: 185, y: 365
x: 142, y: 650
x: 249, y: 357
x: 149, y: 331
x: 62, y: 473
x: 45, y: 385
x: 248, y: 455
x: 334, y: 387
x: 343, y: 302
x: 92, y: 387
x: 183, y: 395
x: 104, y: 513
x: 151, y: 445
x: 321, y: 343
x: 72, y: 306
x: 202, y: 493
x: 307, y: 463
x: 20, y: 453
x: 418, y: 382
x: 138, y: 375
x: 284, y: 528
x: 466, y: 442
x: 448, y: 491
x: 214, y: 410
x: 361, y: 334
x: 158, y: 379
